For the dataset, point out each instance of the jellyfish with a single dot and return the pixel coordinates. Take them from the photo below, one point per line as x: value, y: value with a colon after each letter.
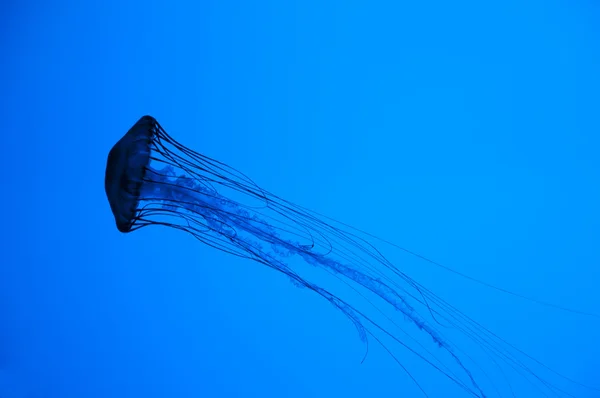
x: 151, y: 179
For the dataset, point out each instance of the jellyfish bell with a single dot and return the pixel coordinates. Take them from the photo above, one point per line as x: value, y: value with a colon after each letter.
x: 151, y: 179
x: 126, y: 169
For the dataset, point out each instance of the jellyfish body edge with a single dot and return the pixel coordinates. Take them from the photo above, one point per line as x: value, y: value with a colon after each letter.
x: 125, y: 171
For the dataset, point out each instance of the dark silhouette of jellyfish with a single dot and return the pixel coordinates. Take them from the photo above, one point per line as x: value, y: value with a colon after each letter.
x: 153, y: 180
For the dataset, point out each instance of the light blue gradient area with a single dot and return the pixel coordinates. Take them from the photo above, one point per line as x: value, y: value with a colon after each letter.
x: 465, y: 131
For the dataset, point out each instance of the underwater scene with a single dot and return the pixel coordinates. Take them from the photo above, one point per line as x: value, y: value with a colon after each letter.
x: 300, y: 199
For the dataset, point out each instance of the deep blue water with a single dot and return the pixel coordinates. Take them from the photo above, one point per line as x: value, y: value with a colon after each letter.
x: 465, y: 131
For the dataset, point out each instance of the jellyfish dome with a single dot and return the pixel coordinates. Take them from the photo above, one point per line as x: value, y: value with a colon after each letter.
x: 126, y: 169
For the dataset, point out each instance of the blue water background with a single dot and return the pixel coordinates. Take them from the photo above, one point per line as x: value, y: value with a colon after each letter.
x: 466, y: 131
